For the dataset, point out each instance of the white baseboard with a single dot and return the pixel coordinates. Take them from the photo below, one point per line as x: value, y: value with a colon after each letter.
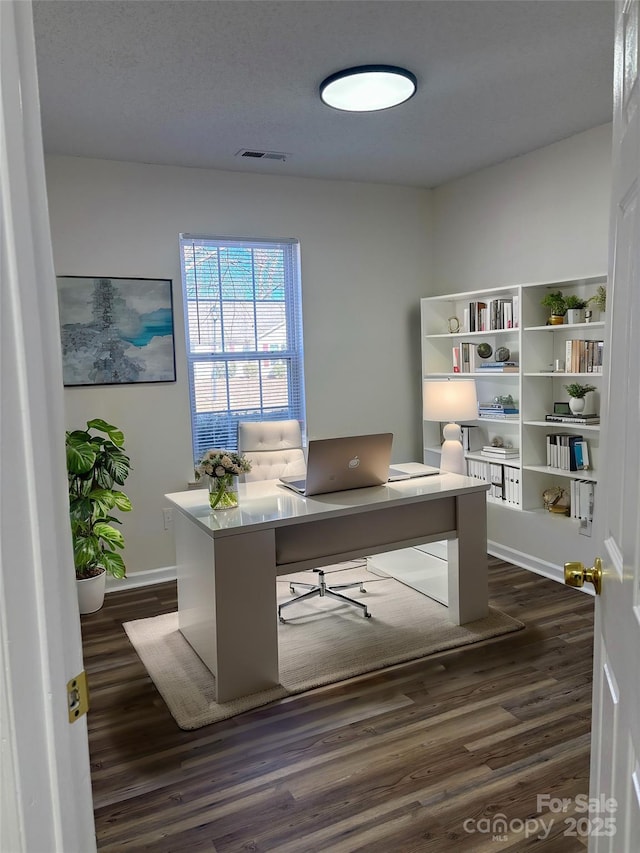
x: 526, y: 561
x: 145, y: 578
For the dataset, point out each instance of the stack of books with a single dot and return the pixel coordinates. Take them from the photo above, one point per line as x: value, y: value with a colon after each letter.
x: 573, y: 419
x: 500, y: 452
x: 498, y: 410
x: 497, y: 367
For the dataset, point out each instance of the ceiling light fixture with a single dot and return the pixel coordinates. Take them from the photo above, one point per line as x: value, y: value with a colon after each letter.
x: 368, y: 88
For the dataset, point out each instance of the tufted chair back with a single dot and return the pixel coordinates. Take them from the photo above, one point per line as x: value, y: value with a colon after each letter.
x: 273, y: 447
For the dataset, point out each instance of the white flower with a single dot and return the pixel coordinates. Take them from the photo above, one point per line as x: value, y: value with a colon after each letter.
x: 217, y: 463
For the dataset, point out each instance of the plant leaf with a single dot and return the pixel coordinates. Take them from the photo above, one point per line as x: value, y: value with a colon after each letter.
x: 116, y: 435
x: 109, y: 534
x: 81, y: 454
x: 114, y: 564
x: 122, y: 501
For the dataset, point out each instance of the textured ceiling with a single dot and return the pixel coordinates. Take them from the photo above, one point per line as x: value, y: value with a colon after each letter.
x: 191, y: 83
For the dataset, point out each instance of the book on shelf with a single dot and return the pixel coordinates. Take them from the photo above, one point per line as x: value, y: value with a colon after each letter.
x: 465, y: 357
x: 498, y: 367
x: 573, y: 419
x: 502, y: 452
x: 471, y: 437
x: 511, y: 485
x: 583, y: 356
x: 567, y: 452
x: 510, y: 406
x: 475, y: 317
x: 494, y: 410
x: 581, y: 453
x: 504, y: 416
x: 581, y: 496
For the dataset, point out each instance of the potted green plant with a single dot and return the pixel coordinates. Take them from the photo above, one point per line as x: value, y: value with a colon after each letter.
x: 577, y: 394
x: 599, y: 299
x: 96, y: 465
x: 575, y: 309
x: 555, y: 301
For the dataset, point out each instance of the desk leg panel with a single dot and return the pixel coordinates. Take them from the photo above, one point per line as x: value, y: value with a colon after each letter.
x: 467, y: 558
x: 227, y: 606
x: 246, y: 613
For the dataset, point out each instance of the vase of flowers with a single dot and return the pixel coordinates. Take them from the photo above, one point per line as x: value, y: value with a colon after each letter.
x: 222, y: 469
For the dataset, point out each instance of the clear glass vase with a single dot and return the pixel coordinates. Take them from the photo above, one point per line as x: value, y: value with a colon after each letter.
x: 223, y: 492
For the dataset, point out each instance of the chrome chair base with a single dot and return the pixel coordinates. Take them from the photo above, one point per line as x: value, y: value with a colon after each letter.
x: 321, y: 589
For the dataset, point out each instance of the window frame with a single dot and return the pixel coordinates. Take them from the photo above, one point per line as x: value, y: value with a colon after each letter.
x: 217, y: 428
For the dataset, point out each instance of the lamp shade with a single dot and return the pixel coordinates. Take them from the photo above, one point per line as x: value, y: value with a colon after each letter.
x: 367, y: 88
x: 449, y: 400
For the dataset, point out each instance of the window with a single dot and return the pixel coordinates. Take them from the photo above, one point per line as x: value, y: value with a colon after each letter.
x: 243, y: 316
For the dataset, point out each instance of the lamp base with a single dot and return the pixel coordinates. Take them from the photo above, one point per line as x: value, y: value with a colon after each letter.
x: 452, y: 453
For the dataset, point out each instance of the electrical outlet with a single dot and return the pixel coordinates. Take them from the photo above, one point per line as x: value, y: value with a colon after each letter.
x: 167, y: 515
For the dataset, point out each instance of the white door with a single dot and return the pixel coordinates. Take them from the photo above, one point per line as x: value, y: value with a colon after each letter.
x: 615, y: 755
x: 45, y: 783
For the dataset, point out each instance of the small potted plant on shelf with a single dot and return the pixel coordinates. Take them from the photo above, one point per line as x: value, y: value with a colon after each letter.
x: 96, y: 466
x: 557, y: 304
x: 599, y: 299
x: 577, y: 394
x: 575, y: 309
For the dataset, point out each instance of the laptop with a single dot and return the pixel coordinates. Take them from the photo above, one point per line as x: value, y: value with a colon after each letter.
x: 338, y: 464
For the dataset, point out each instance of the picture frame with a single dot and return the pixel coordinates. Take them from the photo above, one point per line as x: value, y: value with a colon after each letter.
x: 116, y: 331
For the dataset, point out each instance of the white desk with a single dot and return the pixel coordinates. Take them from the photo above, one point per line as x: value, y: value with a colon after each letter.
x: 228, y: 560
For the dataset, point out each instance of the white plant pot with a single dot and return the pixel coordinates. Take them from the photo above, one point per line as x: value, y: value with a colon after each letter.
x: 575, y: 315
x: 91, y: 593
x: 577, y: 404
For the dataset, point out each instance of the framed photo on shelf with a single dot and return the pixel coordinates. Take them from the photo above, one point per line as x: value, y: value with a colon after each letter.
x: 116, y: 331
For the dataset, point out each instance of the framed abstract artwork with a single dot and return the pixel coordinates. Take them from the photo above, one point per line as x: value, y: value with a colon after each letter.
x: 116, y: 331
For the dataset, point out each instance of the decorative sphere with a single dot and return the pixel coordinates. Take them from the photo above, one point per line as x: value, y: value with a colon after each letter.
x: 484, y: 350
x: 503, y: 354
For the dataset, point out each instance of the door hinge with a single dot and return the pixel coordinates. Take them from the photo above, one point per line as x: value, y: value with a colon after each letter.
x: 78, y: 696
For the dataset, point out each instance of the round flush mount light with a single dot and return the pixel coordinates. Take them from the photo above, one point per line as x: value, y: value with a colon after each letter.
x: 368, y: 88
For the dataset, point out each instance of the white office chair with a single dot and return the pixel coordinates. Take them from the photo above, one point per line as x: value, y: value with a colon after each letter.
x: 274, y: 449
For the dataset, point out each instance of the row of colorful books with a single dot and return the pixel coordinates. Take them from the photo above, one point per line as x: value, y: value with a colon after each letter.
x: 583, y: 356
x: 493, y: 314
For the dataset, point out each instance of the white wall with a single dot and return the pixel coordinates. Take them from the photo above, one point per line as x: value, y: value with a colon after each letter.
x: 366, y: 258
x: 539, y: 217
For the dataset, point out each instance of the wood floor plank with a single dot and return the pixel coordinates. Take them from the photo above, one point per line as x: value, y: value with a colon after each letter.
x: 391, y: 762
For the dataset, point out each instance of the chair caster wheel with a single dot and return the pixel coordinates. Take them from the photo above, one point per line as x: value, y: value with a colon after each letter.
x: 282, y: 619
x: 367, y: 616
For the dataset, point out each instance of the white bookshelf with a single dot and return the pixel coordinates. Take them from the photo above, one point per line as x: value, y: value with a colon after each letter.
x: 536, y: 347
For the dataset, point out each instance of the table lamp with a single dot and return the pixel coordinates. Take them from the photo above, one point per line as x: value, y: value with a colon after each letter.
x: 450, y: 400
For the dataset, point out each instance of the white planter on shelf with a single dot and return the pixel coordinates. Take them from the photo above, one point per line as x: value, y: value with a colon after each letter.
x: 577, y: 404
x: 91, y: 593
x: 574, y: 315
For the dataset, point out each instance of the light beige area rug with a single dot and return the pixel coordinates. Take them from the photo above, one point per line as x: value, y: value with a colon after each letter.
x: 323, y: 641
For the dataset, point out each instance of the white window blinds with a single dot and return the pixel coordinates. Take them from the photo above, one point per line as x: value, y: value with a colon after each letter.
x: 243, y: 317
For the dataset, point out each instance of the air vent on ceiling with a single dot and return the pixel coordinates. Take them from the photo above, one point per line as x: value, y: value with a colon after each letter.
x: 262, y: 155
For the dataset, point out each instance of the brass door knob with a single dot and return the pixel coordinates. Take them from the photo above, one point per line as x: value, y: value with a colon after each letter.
x: 575, y: 575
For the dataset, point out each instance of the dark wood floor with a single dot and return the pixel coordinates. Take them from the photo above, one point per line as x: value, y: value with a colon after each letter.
x: 410, y: 759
